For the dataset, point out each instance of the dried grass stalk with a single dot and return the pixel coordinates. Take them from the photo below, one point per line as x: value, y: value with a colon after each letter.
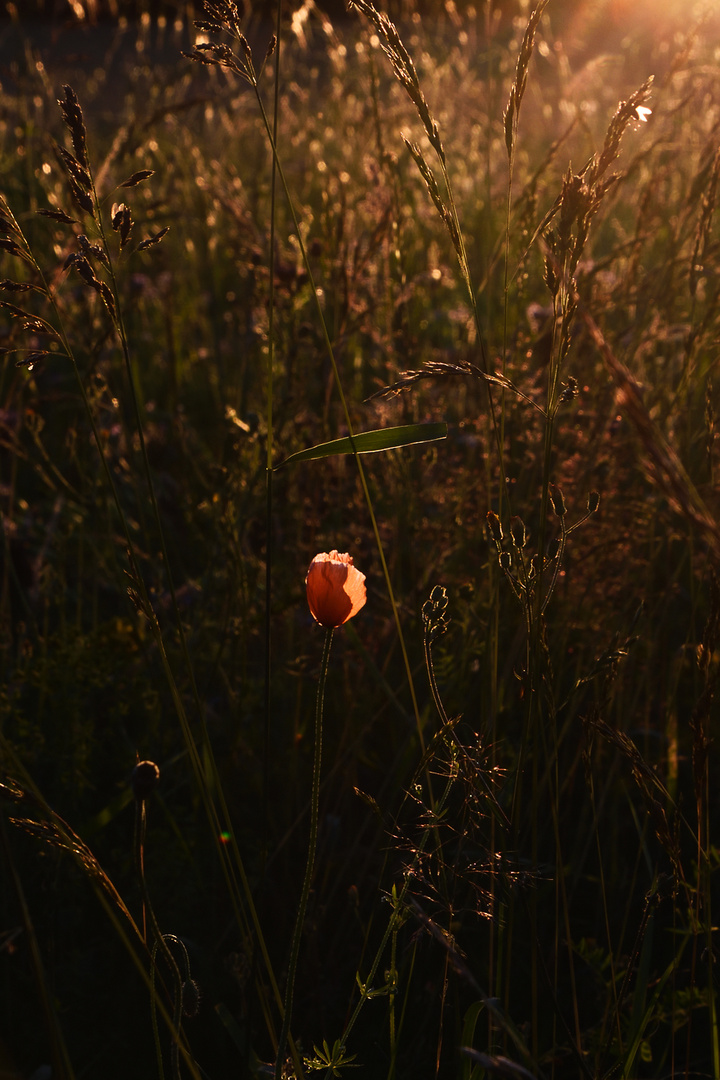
x: 517, y: 90
x: 404, y: 69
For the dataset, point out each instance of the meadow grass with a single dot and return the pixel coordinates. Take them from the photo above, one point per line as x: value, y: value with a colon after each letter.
x: 471, y: 220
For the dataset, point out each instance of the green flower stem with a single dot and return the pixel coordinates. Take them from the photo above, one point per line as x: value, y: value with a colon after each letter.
x: 314, y: 805
x: 159, y: 945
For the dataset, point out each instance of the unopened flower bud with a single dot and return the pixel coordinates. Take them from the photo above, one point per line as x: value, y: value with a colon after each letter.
x: 145, y: 778
x: 335, y: 589
x: 494, y: 526
x: 517, y: 531
x: 190, y: 998
x: 558, y: 502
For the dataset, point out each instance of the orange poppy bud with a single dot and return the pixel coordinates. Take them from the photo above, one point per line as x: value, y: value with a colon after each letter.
x: 335, y: 589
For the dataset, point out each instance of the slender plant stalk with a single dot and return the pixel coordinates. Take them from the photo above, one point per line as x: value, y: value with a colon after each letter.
x: 269, y: 443
x: 603, y: 892
x: 310, y: 864
x: 159, y: 945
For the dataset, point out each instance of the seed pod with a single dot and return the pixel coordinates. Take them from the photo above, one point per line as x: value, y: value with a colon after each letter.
x: 494, y: 526
x: 145, y: 778
x: 190, y: 998
x: 518, y: 533
x: 558, y: 502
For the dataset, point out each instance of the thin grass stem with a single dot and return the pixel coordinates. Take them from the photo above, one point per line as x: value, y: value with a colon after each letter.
x: 310, y: 864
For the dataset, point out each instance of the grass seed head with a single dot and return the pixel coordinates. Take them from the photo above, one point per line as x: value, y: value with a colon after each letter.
x: 73, y: 117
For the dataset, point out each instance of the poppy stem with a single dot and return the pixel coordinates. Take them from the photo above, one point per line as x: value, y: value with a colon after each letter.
x: 312, y: 847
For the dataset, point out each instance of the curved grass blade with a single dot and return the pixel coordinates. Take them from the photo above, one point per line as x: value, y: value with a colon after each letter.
x: 371, y: 442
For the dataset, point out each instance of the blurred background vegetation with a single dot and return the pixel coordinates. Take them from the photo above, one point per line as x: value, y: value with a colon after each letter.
x: 83, y: 689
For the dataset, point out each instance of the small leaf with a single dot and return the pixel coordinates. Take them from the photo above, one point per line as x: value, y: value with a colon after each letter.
x: 13, y: 249
x: 31, y: 359
x: 13, y: 309
x: 58, y: 215
x: 75, y: 170
x: 85, y: 271
x: 19, y: 286
x: 7, y: 224
x: 82, y: 198
x: 107, y: 297
x: 369, y: 801
x: 137, y: 178
x: 154, y: 239
x: 371, y: 442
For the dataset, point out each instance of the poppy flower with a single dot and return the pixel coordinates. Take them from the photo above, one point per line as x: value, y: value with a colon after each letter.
x: 335, y: 589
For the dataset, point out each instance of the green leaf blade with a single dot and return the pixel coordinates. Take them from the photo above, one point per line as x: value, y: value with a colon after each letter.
x: 371, y: 442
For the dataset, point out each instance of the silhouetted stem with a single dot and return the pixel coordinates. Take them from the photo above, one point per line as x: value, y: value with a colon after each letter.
x: 314, y: 805
x: 159, y: 945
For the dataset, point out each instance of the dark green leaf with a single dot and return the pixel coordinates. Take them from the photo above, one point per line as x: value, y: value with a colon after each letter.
x: 371, y: 442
